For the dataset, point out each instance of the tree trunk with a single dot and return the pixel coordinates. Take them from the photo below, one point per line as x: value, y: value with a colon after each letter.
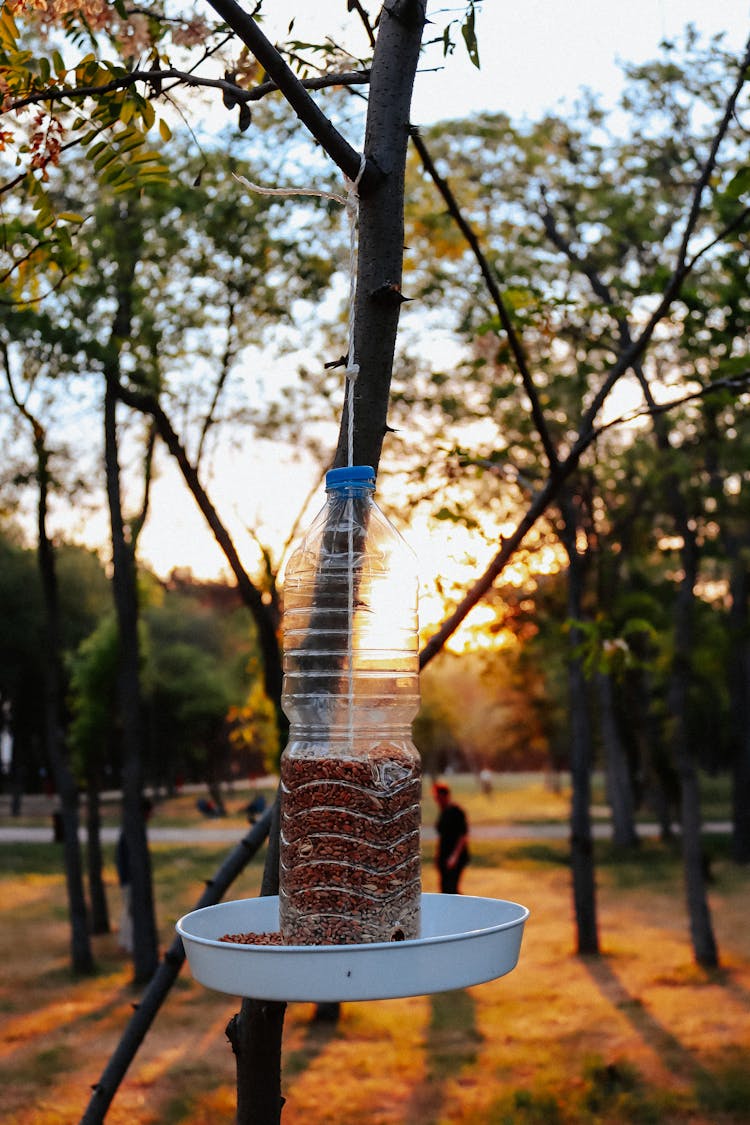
x: 701, y: 928
x: 81, y: 956
x: 581, y: 839
x: 619, y: 781
x: 97, y: 893
x: 381, y: 228
x: 255, y: 1032
x: 739, y: 688
x: 145, y: 939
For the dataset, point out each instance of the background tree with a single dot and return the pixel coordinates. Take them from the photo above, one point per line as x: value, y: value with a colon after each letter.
x: 611, y: 256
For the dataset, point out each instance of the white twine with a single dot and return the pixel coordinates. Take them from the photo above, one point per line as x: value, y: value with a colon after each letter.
x: 352, y: 371
x: 351, y: 202
x: 352, y: 367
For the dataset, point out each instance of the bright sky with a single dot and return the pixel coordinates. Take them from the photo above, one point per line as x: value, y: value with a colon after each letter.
x: 535, y: 55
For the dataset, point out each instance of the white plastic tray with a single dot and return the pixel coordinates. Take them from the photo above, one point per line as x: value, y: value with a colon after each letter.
x: 464, y: 941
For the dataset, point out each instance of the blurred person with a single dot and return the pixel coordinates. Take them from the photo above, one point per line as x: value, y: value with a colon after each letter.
x: 452, y: 827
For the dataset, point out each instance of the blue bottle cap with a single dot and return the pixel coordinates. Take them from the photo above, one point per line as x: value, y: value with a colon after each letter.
x: 350, y: 476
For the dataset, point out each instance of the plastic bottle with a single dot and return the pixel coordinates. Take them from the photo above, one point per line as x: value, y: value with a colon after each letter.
x: 350, y: 775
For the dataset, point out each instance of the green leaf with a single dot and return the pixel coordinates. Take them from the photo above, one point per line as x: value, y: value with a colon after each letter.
x: 105, y: 159
x: 148, y: 114
x: 8, y: 29
x: 145, y: 157
x: 130, y: 140
x: 468, y: 30
x: 164, y: 131
x: 100, y: 146
x: 739, y: 184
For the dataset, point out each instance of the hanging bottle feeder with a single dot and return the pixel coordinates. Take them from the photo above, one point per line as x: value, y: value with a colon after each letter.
x: 351, y: 921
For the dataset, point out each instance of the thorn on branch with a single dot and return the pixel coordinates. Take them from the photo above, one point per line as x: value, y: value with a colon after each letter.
x: 334, y: 363
x: 389, y: 292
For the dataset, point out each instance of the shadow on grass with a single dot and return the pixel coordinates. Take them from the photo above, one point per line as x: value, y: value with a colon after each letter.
x: 451, y: 1046
x: 674, y: 1054
x: 192, y: 1083
x: 727, y: 981
x: 319, y: 1032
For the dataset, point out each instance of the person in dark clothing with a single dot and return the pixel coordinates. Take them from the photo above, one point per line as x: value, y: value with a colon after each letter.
x: 453, y: 839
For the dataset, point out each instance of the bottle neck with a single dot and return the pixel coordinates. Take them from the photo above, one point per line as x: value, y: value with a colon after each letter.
x: 350, y: 491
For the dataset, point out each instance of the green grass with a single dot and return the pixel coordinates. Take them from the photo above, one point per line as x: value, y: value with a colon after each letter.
x: 726, y: 1088
x: 30, y: 859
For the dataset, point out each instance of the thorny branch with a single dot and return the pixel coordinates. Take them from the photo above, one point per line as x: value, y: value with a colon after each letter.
x: 185, y: 78
x: 314, y: 120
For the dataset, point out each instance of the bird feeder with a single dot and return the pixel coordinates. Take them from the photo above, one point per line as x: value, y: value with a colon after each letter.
x: 464, y: 940
x: 351, y: 921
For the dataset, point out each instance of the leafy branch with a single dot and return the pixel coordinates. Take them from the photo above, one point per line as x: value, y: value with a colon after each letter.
x: 630, y: 355
x: 153, y: 77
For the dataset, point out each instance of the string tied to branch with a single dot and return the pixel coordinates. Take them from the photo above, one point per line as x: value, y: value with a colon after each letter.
x: 350, y: 202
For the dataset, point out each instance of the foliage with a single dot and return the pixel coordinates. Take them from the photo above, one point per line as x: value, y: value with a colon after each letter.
x: 254, y: 735
x: 483, y: 711
x: 83, y: 594
x: 580, y: 223
x: 198, y: 660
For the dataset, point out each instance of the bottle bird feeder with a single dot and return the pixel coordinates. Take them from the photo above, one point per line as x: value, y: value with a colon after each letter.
x: 350, y: 921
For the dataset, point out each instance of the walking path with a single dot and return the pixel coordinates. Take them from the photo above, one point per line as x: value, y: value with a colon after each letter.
x: 40, y: 834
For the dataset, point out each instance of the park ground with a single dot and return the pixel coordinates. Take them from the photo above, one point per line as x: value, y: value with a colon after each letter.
x: 640, y: 1034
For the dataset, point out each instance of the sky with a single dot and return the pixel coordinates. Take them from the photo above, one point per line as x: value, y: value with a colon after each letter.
x: 535, y: 56
x: 535, y: 53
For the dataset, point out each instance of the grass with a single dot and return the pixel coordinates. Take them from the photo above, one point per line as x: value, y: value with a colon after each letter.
x: 640, y: 1034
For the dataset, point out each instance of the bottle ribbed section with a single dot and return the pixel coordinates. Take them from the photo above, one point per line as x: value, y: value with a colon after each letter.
x: 350, y: 842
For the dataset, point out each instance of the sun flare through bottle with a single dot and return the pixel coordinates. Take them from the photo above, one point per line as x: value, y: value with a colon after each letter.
x: 350, y: 775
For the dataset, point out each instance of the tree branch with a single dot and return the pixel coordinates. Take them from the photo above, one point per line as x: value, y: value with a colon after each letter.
x: 516, y: 346
x: 186, y: 78
x: 733, y: 383
x: 337, y: 147
x: 251, y: 596
x: 165, y: 976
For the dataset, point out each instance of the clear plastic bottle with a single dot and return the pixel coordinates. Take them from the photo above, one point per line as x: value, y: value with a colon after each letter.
x: 350, y: 775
